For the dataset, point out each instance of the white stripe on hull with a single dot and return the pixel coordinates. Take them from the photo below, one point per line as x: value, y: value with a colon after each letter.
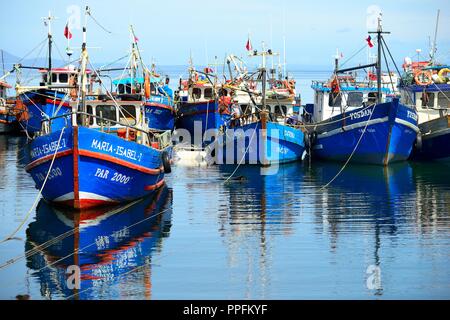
x: 353, y: 126
x: 83, y: 196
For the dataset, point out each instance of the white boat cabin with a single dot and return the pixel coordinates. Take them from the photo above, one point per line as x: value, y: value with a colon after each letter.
x: 64, y: 78
x: 350, y: 97
x: 431, y: 102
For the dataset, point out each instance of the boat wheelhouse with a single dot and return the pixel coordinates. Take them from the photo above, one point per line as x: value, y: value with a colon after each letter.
x: 426, y: 86
x: 350, y: 95
x: 159, y: 106
x: 203, y: 105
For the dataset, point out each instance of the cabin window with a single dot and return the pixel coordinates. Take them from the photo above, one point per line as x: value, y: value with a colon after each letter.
x: 427, y: 99
x: 106, y: 112
x: 54, y: 77
x: 443, y: 100
x: 406, y: 98
x: 153, y: 89
x: 127, y: 115
x: 334, y: 100
x: 128, y: 88
x: 245, y: 109
x: 196, y: 93
x: 372, y: 97
x: 121, y: 89
x: 89, y: 120
x: 280, y: 110
x: 354, y: 99
x: 44, y: 78
x: 208, y: 93
x: 63, y: 78
x: 223, y: 92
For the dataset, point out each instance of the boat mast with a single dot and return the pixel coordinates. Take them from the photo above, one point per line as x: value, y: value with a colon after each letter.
x: 379, y: 60
x: 433, y: 49
x: 379, y: 33
x: 84, y: 61
x: 48, y: 23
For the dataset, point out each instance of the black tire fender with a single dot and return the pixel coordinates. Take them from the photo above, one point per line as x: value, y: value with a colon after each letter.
x: 418, y: 141
x: 165, y: 158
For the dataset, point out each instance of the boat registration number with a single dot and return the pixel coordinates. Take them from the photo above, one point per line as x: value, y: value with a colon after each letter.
x: 116, y: 176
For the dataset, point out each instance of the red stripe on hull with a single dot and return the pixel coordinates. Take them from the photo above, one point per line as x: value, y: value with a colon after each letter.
x: 124, y: 163
x: 57, y: 102
x: 154, y: 186
x: 86, y: 203
x: 47, y: 158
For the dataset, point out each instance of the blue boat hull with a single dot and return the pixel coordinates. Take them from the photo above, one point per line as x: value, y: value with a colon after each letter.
x: 93, y: 168
x: 40, y: 105
x: 435, y: 147
x: 251, y: 144
x: 196, y: 118
x: 8, y: 123
x: 389, y: 136
x: 160, y: 113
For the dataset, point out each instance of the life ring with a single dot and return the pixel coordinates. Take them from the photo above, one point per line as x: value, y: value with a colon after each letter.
x: 147, y: 86
x: 441, y: 74
x: 165, y: 158
x: 423, y: 78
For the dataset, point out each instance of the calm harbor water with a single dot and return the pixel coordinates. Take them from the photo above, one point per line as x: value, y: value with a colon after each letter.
x: 374, y: 233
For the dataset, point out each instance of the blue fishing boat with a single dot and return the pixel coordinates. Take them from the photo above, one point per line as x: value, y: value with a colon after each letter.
x: 360, y: 121
x: 104, y: 243
x: 202, y: 106
x: 259, y: 135
x: 104, y: 154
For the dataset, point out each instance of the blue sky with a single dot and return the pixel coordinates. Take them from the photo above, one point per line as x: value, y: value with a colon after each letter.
x: 168, y: 30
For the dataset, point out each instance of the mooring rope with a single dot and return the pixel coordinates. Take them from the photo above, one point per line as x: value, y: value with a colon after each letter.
x: 243, y: 156
x: 39, y: 193
x: 351, y: 155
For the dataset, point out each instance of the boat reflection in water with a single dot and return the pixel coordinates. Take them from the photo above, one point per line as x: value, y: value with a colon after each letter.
x: 363, y: 209
x: 105, y: 244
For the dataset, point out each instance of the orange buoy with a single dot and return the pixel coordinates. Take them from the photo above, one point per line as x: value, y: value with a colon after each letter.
x: 147, y: 86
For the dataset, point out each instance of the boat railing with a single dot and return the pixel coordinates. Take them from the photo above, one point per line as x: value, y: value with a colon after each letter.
x: 163, y: 139
x: 248, y: 118
x: 106, y: 120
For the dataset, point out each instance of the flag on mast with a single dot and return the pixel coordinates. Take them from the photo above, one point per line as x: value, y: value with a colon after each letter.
x: 67, y: 32
x: 248, y: 46
x: 369, y: 41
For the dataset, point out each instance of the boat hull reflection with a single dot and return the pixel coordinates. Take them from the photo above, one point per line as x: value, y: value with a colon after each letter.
x: 103, y: 243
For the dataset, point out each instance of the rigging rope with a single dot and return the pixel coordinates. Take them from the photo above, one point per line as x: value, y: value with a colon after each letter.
x: 351, y: 155
x: 38, y: 195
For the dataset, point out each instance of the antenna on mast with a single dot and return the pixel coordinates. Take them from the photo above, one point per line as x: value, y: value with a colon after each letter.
x: 433, y: 49
x: 48, y: 24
